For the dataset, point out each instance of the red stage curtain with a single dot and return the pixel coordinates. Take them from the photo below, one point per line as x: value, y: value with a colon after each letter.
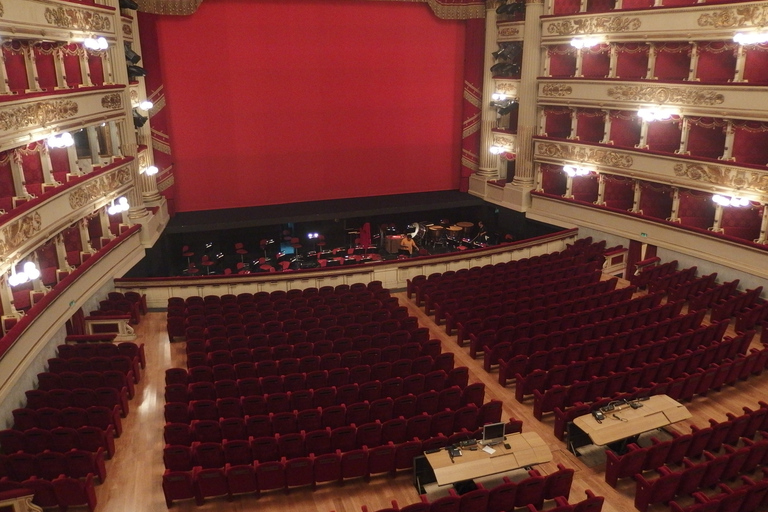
x: 596, y: 61
x: 584, y: 188
x: 557, y: 122
x: 71, y: 53
x: 717, y: 61
x: 631, y: 61
x: 619, y: 192
x: 756, y: 63
x: 696, y: 209
x: 562, y: 60
x: 44, y: 62
x: 655, y: 200
x: 15, y: 66
x: 590, y: 125
x: 474, y: 44
x: 750, y: 142
x: 672, y: 61
x: 742, y: 223
x: 706, y: 137
x: 553, y: 179
x: 625, y: 129
x: 345, y: 108
x: 664, y: 136
x: 96, y: 67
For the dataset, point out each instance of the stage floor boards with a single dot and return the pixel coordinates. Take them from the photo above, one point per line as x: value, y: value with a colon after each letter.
x: 134, y: 475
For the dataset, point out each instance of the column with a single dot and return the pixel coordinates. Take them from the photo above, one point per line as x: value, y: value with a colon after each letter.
x: 763, y: 226
x: 523, y: 182
x: 61, y: 74
x: 606, y: 127
x: 686, y: 130
x: 568, y: 187
x: 114, y: 139
x: 74, y: 167
x: 45, y: 162
x: 718, y: 219
x: 29, y: 60
x: 636, y: 198
x: 675, y: 205
x: 6, y: 299
x: 579, y: 63
x: 574, y: 124
x: 18, y: 177
x: 3, y: 76
x: 489, y: 163
x: 93, y: 145
x: 694, y: 69
x: 741, y: 58
x: 85, y: 70
x: 85, y: 236
x: 600, y: 190
x: 104, y: 221
x: 614, y: 56
x: 652, y: 52
x: 730, y: 134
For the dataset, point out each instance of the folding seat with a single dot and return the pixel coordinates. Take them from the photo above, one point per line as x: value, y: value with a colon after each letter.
x: 81, y: 463
x: 72, y: 492
x: 660, y: 490
x: 318, y: 442
x: 490, y: 412
x: 177, y: 457
x: 716, y: 465
x: 359, y: 374
x: 259, y: 425
x: 37, y: 398
x: 421, y: 365
x: 176, y: 376
x: 224, y: 372
x: 354, y: 464
x: 63, y: 439
x: 36, y: 440
x: 433, y: 381
x: 278, y: 402
x: 678, y: 448
x: 327, y: 468
x: 347, y: 394
x: 283, y: 422
x: 625, y: 465
x: 381, y: 409
x: 249, y: 387
x: 556, y: 396
x: 233, y: 428
x: 12, y: 441
x: 330, y: 361
x: 265, y: 449
x: 736, y: 460
x: 450, y: 398
x: 401, y: 368
x: 229, y: 407
x: 357, y: 413
x: 294, y: 382
x: 415, y: 383
x: 200, y: 374
x: 203, y: 410
x: 206, y: 431
x: 381, y: 459
x: 271, y: 384
x: 393, y: 388
x: 381, y: 371
x: 344, y: 438
x: 82, y: 397
x: 323, y: 396
x: 405, y: 406
x: 502, y: 496
x: 530, y: 490
x: 442, y: 423
x: 24, y: 418
x: 427, y: 402
x: 290, y: 445
x: 368, y: 435
x: 411, y: 351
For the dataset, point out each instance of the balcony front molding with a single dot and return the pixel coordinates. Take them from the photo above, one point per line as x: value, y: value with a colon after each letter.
x: 692, y: 98
x: 510, y: 31
x: 53, y: 20
x: 36, y: 116
x: 29, y: 228
x: 728, y: 253
x: 692, y: 23
x: 508, y: 86
x: 713, y: 177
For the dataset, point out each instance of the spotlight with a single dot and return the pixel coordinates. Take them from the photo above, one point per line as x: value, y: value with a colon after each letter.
x: 63, y: 140
x: 30, y: 273
x: 136, y: 71
x: 138, y: 119
x: 150, y: 171
x: 119, y: 206
x: 96, y: 43
x: 128, y: 4
x: 130, y: 55
x: 146, y: 105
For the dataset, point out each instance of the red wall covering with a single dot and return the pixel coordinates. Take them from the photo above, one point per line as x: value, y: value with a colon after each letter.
x: 311, y: 100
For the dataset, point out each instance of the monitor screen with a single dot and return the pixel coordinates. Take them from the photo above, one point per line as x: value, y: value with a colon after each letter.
x: 493, y: 431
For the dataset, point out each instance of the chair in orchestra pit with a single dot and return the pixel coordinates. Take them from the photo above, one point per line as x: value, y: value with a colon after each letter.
x: 186, y: 252
x: 241, y: 250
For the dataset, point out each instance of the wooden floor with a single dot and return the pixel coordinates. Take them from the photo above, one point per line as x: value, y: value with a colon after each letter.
x: 134, y: 474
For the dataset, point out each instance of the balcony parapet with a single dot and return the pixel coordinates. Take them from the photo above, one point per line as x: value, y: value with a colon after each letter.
x: 57, y: 20
x: 24, y: 228
x: 713, y: 176
x: 510, y: 31
x: 31, y: 117
x: 740, y: 101
x: 704, y: 22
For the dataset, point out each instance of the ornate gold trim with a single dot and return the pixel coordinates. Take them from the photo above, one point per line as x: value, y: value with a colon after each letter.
x: 112, y: 101
x: 731, y: 177
x: 591, y: 155
x: 18, y: 232
x: 556, y: 90
x: 36, y: 114
x: 127, y: 30
x: 100, y: 187
x: 70, y: 17
x: 735, y: 17
x: 594, y: 25
x: 2, y: 10
x: 684, y: 95
x: 509, y: 31
x: 504, y: 140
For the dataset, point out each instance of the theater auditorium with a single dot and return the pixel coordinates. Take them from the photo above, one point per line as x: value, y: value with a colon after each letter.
x: 383, y: 255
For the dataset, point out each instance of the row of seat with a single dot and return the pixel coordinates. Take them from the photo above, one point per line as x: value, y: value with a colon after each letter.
x: 92, y: 380
x: 694, y: 476
x: 404, y: 405
x: 62, y: 492
x: 589, y: 340
x: 731, y: 306
x: 48, y: 465
x: 670, y: 280
x: 429, y: 432
x: 649, y: 363
x: 682, y: 388
x: 685, y: 387
x: 321, y: 354
x: 623, y: 316
x: 582, y: 311
x: 201, y: 483
x: 750, y: 496
x: 531, y: 297
x: 648, y: 274
x: 126, y: 365
x: 60, y: 398
x: 360, y: 379
x: 691, y: 287
x: 498, y: 500
x: 711, y: 438
x: 711, y: 296
x: 88, y: 350
x: 612, y: 350
x: 58, y: 439
x: 561, y: 279
x: 469, y: 417
x: 383, y: 408
x: 72, y: 417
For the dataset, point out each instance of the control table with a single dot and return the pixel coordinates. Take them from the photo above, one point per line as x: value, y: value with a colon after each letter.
x: 624, y: 421
x: 525, y: 449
